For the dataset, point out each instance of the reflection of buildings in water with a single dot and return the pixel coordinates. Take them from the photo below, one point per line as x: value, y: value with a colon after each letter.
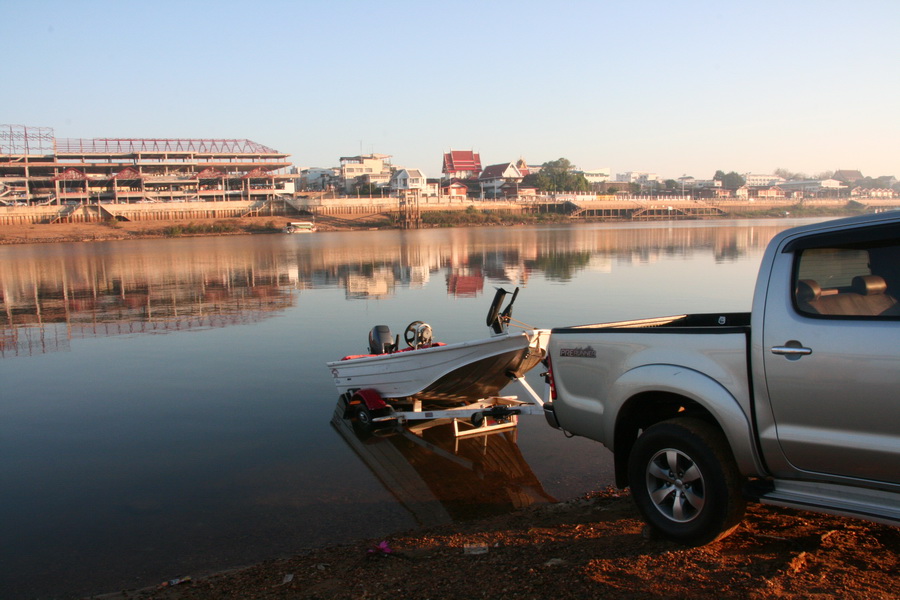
x: 517, y: 274
x: 561, y: 266
x: 440, y: 478
x: 514, y: 254
x: 96, y: 292
x: 380, y: 281
x: 379, y: 284
x: 600, y: 264
x: 47, y: 302
x: 465, y: 283
x: 419, y: 276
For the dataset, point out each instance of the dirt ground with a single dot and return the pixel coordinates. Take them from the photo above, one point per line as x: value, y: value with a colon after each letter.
x: 594, y: 547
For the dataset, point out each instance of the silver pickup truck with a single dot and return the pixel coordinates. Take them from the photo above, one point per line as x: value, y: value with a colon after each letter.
x: 796, y: 403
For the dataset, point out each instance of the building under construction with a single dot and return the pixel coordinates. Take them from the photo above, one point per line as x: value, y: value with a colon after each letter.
x: 39, y: 169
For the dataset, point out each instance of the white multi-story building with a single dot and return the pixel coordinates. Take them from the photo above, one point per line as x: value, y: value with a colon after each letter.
x: 409, y: 179
x: 597, y: 175
x: 317, y: 179
x: 708, y: 183
x: 812, y: 186
x: 636, y: 177
x: 367, y: 168
x: 756, y: 180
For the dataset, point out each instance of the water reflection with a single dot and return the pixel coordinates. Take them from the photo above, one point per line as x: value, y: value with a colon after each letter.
x: 49, y: 297
x: 47, y: 302
x: 440, y: 478
x: 137, y: 458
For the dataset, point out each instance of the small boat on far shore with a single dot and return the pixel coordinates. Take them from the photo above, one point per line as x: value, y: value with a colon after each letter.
x: 300, y: 227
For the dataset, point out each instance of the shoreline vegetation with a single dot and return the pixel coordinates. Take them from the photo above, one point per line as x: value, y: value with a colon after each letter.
x: 472, y: 217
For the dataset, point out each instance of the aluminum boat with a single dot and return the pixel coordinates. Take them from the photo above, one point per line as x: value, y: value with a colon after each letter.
x: 442, y: 373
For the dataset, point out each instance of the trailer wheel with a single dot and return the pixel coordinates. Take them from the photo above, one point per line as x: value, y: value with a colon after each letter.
x: 367, y: 404
x: 364, y: 417
x: 685, y: 482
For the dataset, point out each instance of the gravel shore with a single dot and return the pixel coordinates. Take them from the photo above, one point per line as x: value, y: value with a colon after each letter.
x: 592, y: 547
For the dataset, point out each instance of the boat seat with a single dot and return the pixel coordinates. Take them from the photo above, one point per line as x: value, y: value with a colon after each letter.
x: 867, y: 296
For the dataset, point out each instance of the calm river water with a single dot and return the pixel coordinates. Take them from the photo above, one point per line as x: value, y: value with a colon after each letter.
x: 166, y: 410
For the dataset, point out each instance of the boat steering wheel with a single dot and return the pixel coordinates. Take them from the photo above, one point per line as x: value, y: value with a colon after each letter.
x: 417, y: 334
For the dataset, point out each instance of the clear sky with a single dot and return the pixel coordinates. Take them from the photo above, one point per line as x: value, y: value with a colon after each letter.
x: 663, y: 86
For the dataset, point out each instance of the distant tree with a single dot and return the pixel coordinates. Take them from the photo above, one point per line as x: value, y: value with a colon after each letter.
x: 671, y: 184
x: 874, y: 183
x: 367, y: 189
x: 823, y: 175
x: 792, y: 176
x: 730, y: 181
x: 557, y: 176
x: 562, y: 266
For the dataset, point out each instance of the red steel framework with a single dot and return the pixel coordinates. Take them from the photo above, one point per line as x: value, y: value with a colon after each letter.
x: 19, y: 139
x: 160, y: 145
x: 38, y: 168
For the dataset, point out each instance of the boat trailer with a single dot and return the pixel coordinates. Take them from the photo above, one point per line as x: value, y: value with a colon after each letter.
x: 472, y: 418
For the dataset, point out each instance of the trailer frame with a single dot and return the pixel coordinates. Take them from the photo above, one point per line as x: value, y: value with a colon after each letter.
x: 483, y: 415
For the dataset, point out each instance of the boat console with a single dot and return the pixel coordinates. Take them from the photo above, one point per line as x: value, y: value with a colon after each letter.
x: 417, y: 335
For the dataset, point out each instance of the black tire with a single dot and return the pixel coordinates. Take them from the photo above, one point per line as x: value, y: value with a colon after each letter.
x: 364, y: 418
x: 685, y: 482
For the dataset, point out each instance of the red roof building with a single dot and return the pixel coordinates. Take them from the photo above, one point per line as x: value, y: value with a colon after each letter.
x: 494, y: 177
x: 847, y: 175
x: 455, y: 191
x: 461, y: 164
x: 522, y: 166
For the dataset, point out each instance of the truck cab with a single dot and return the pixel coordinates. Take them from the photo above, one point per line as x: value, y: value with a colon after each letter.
x: 799, y: 408
x: 829, y: 374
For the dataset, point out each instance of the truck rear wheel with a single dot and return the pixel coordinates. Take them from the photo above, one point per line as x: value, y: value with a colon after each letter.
x: 685, y: 482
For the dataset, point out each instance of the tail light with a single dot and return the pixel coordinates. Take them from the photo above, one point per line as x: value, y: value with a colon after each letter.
x: 548, y: 378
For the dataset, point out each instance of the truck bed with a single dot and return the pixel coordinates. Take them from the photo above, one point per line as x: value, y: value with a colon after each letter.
x: 695, y: 323
x: 598, y: 368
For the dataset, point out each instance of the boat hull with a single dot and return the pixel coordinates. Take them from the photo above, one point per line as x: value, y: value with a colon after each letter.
x: 466, y: 371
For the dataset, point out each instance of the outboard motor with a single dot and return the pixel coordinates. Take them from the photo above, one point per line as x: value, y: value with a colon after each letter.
x: 496, y: 320
x: 380, y: 340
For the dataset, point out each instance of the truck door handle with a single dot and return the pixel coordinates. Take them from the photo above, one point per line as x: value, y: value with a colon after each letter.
x: 791, y: 351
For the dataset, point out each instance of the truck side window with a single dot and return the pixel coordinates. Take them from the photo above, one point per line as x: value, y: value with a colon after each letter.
x: 856, y: 282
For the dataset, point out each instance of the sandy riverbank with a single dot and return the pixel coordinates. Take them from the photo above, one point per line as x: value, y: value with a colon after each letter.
x: 128, y: 230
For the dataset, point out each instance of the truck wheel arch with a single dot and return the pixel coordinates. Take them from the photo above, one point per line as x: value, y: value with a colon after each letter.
x: 641, y: 412
x: 655, y: 393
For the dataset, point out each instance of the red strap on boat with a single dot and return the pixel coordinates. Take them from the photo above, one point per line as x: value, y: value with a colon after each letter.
x: 352, y: 356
